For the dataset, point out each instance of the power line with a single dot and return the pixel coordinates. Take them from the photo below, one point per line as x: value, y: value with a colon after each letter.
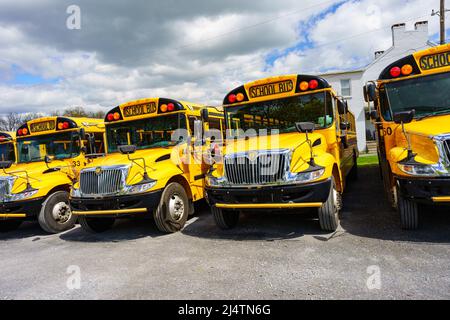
x: 258, y: 24
x: 351, y: 37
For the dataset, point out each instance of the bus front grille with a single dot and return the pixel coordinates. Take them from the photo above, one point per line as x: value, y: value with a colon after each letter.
x: 446, y: 144
x: 257, y: 169
x: 102, y: 181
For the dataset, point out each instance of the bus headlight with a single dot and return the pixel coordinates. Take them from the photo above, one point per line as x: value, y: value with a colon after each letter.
x: 75, y: 193
x: 307, y: 176
x: 22, y: 195
x: 139, y: 188
x: 418, y: 169
x: 212, y: 181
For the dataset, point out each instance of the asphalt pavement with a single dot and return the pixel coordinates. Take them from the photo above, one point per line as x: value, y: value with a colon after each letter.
x: 268, y: 256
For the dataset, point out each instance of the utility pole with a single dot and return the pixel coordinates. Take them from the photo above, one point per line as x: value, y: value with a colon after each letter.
x: 441, y: 14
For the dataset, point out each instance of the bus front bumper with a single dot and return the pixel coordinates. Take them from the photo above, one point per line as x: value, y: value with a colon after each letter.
x: 311, y: 195
x: 20, y: 209
x: 117, y: 205
x: 430, y: 191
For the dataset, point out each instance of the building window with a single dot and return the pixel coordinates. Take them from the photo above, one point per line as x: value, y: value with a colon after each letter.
x: 346, y: 90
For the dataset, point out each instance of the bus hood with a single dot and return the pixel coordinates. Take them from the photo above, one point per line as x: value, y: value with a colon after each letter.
x: 39, y: 175
x: 432, y: 126
x: 282, y: 141
x: 421, y: 135
x: 150, y: 156
x: 295, y: 142
x: 158, y: 162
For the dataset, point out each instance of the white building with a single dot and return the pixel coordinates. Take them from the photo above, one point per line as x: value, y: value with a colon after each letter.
x: 350, y: 84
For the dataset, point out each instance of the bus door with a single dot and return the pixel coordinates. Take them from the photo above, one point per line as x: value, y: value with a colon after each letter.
x: 345, y: 146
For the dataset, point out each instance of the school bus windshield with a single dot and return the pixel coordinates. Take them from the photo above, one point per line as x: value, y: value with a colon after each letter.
x: 146, y: 133
x: 60, y: 146
x: 7, y: 152
x: 280, y: 115
x: 428, y: 96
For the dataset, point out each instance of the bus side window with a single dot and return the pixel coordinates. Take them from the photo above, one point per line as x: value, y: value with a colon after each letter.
x: 215, y: 124
x: 192, y: 120
x: 97, y: 139
x: 384, y: 105
x: 99, y: 145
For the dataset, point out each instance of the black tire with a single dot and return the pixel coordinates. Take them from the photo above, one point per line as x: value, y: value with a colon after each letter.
x: 65, y: 221
x: 408, y: 211
x: 225, y: 220
x: 9, y: 225
x: 170, y: 216
x: 329, y: 212
x: 96, y: 225
x: 353, y: 175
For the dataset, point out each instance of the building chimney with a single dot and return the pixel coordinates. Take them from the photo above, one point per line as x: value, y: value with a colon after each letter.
x: 410, y: 38
x: 397, y: 31
x: 378, y: 54
x: 421, y: 26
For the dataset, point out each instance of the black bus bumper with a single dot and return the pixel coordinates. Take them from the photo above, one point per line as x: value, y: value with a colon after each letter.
x: 27, y: 209
x: 311, y: 195
x: 116, y: 206
x: 428, y: 191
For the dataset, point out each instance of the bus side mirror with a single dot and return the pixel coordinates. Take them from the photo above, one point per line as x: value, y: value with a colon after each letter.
x: 5, y: 164
x: 342, y: 107
x: 82, y: 134
x: 205, y: 115
x: 404, y: 116
x: 344, y: 126
x: 369, y: 92
x: 128, y: 149
x: 48, y: 159
x: 373, y: 115
x: 305, y: 127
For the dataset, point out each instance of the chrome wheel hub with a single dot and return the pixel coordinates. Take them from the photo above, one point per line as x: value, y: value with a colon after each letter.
x: 337, y: 200
x: 176, y: 207
x: 61, y: 212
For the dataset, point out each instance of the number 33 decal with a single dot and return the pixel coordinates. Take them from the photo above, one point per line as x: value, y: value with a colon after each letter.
x: 76, y: 163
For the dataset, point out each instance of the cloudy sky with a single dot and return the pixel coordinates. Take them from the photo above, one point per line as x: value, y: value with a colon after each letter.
x: 196, y: 50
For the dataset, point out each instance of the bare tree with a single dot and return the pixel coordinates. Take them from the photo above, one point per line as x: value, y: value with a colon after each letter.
x: 79, y: 112
x: 13, y: 120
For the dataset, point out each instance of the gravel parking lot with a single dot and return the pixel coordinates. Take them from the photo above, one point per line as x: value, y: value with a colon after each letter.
x: 278, y: 256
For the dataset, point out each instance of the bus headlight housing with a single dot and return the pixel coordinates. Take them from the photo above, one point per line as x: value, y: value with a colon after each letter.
x: 139, y: 188
x: 212, y: 181
x: 418, y: 169
x: 23, y: 195
x: 75, y: 193
x: 307, y: 176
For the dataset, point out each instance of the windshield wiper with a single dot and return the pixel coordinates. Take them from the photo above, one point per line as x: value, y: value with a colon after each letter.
x: 435, y: 113
x: 34, y: 159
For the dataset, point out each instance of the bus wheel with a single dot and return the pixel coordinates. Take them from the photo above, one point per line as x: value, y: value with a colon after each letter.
x: 409, y: 213
x: 329, y: 212
x: 225, y: 220
x: 173, y: 209
x: 353, y: 175
x: 96, y: 225
x: 9, y: 225
x: 55, y: 215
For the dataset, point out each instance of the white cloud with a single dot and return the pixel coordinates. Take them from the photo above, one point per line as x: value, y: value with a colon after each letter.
x: 192, y: 50
x: 347, y: 39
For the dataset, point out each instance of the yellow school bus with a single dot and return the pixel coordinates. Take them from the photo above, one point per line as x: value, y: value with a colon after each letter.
x: 8, y: 146
x: 412, y: 117
x: 50, y: 152
x: 149, y: 169
x: 291, y: 143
